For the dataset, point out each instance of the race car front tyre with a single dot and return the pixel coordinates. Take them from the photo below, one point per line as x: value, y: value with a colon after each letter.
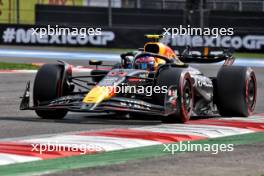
x: 48, y: 85
x: 184, y: 103
x: 236, y: 89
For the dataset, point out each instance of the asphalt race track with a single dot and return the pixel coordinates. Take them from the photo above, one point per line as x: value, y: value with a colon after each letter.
x: 244, y: 160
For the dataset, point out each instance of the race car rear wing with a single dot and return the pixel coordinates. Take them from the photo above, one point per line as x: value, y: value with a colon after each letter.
x: 207, y: 55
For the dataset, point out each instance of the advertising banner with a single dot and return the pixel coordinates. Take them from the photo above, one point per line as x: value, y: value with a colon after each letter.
x: 123, y: 38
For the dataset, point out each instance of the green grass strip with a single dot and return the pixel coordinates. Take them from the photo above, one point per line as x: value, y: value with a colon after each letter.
x: 115, y: 157
x: 17, y: 66
x: 249, y: 55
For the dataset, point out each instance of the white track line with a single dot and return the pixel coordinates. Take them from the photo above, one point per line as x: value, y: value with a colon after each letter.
x: 75, y: 70
x: 210, y: 131
x: 256, y: 119
x: 103, y: 142
x: 10, y: 159
x: 108, y: 143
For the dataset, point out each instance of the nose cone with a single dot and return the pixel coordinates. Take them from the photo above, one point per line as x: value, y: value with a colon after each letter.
x: 99, y: 94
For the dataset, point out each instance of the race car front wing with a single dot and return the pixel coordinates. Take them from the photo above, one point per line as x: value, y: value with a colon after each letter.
x: 74, y: 103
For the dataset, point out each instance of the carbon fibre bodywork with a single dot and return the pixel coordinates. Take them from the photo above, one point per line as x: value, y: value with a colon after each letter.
x: 80, y: 94
x: 137, y: 102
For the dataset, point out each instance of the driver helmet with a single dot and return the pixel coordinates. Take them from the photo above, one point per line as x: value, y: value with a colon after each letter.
x: 145, y: 63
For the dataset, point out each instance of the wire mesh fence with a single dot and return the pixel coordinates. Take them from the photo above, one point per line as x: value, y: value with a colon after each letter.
x: 24, y: 12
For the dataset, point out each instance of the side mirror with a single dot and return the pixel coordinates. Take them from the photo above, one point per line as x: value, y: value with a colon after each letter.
x: 95, y: 62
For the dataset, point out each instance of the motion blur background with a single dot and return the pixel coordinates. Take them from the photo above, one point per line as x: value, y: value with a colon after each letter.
x: 124, y: 22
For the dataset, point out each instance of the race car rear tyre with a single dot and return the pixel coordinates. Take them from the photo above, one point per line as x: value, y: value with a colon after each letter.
x: 184, y: 104
x: 236, y: 91
x: 48, y: 86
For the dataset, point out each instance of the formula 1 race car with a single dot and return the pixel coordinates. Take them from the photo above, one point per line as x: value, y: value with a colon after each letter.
x: 178, y: 91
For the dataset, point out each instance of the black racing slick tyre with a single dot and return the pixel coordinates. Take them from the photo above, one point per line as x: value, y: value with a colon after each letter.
x: 184, y: 103
x: 236, y: 91
x: 48, y: 85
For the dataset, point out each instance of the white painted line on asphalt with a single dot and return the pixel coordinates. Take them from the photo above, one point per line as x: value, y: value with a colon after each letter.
x: 134, y: 137
x: 17, y: 71
x: 104, y: 142
x: 256, y: 119
x: 209, y: 131
x: 57, y: 55
x: 11, y: 158
x: 75, y: 70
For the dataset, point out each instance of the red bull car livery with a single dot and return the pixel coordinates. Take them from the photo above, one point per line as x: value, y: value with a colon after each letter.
x: 152, y: 80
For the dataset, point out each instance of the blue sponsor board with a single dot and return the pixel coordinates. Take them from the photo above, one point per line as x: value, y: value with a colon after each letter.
x: 125, y: 38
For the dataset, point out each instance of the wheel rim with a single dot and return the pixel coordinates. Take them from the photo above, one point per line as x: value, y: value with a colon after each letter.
x: 251, y: 92
x: 187, y: 96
